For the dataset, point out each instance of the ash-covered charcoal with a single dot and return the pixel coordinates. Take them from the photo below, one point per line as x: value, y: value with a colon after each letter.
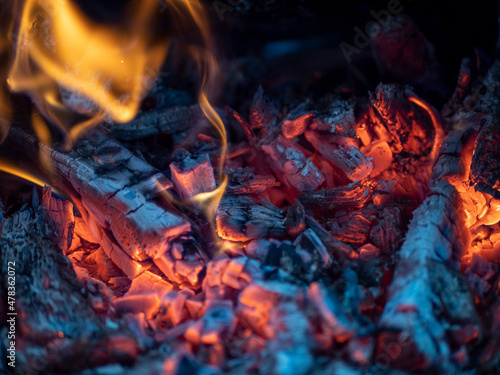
x: 485, y: 166
x: 226, y: 277
x: 335, y: 116
x: 330, y: 321
x: 256, y: 301
x: 425, y: 285
x: 292, y: 167
x: 329, y: 114
x: 184, y: 261
x: 55, y: 313
x: 352, y: 236
x: 245, y: 181
x: 297, y: 121
x: 263, y: 113
x: 353, y: 226
x: 295, y: 221
x: 388, y: 230
x: 343, y: 153
x: 61, y: 212
x: 242, y: 218
x: 216, y: 324
x: 356, y: 194
x: 117, y: 194
x: 400, y: 122
x: 160, y: 121
x: 191, y: 174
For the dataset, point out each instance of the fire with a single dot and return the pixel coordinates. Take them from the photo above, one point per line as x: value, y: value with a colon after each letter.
x: 7, y: 167
x: 190, y: 15
x: 105, y: 69
x: 72, y: 66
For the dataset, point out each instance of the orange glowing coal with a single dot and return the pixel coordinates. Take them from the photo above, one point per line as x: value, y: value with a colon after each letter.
x: 482, y: 212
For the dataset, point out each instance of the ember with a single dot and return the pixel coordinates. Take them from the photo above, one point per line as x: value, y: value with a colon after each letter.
x: 181, y: 225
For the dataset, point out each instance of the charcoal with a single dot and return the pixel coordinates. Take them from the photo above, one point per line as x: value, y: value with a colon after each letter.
x: 309, y: 242
x: 53, y: 310
x: 330, y: 317
x: 461, y: 90
x: 241, y: 218
x: 244, y: 181
x: 343, y: 154
x: 293, y: 168
x: 387, y: 233
x: 355, y: 228
x: 62, y: 214
x: 109, y: 196
x: 160, y: 121
x: 257, y: 300
x: 395, y: 111
x: 297, y: 121
x: 433, y: 245
x: 217, y: 323
x: 331, y: 114
x: 484, y: 169
x: 191, y: 174
x: 337, y: 249
x: 295, y: 219
x: 262, y: 112
x: 355, y: 194
x: 184, y: 262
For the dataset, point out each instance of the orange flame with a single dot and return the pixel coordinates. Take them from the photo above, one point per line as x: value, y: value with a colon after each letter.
x: 190, y: 13
x: 105, y: 67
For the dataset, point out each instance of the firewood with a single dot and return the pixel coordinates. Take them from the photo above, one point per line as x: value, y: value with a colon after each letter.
x: 424, y: 281
x: 115, y: 188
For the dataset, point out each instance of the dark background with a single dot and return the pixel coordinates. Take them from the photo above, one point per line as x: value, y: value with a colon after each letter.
x: 295, y: 43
